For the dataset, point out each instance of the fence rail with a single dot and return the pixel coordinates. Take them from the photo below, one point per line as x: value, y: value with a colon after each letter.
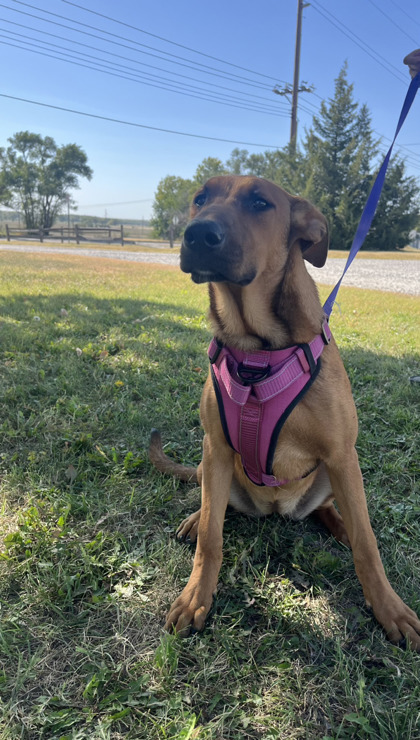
x: 78, y: 234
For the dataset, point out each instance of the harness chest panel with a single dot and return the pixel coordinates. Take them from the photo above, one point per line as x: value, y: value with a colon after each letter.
x: 256, y: 392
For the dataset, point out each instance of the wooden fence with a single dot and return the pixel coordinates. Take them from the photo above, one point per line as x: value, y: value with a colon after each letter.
x: 103, y: 235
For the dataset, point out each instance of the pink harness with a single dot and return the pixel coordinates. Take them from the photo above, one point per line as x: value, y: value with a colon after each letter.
x: 256, y: 392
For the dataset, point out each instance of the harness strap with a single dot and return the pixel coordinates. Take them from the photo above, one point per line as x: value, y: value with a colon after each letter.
x: 294, y: 368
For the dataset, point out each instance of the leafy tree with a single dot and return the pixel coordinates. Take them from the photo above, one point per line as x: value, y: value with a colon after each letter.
x: 237, y: 164
x: 36, y: 176
x: 171, y: 206
x: 173, y: 197
x: 284, y: 166
x: 209, y: 167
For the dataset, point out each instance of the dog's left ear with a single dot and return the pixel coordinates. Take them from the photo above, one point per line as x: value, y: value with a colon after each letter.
x: 310, y: 228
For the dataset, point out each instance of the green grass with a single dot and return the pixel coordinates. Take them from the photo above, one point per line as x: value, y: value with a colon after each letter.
x: 89, y: 563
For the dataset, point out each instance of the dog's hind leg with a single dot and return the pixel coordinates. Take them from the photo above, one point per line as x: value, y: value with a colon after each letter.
x: 332, y: 520
x: 319, y: 500
x: 239, y: 500
x: 188, y: 529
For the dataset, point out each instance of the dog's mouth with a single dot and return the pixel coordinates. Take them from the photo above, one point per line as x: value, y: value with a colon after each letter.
x: 208, y: 267
x: 204, y: 276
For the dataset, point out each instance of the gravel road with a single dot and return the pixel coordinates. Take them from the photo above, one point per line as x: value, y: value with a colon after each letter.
x: 393, y: 275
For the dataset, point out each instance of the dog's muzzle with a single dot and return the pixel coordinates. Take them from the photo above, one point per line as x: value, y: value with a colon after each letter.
x: 209, y: 256
x: 204, y: 234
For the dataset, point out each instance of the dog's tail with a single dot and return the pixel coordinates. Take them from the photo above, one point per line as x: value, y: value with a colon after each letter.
x: 164, y: 463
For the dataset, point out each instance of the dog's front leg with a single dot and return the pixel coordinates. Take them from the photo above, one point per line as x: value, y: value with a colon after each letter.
x: 397, y: 619
x: 192, y: 606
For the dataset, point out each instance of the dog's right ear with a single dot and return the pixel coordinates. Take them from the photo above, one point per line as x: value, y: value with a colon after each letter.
x: 310, y: 228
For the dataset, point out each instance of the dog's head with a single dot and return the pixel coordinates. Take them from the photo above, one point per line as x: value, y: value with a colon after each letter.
x: 240, y: 226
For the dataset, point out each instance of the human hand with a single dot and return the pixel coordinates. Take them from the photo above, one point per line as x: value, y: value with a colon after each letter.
x: 413, y: 61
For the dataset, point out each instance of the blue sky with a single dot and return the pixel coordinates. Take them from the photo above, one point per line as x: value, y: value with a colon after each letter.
x: 223, y: 101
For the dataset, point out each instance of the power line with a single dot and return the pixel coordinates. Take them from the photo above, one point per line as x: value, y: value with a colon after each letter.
x: 136, y: 125
x: 209, y: 71
x: 125, y: 58
x: 413, y: 20
x: 207, y: 98
x: 413, y: 155
x: 303, y: 108
x: 392, y: 21
x: 357, y: 40
x: 168, y: 41
x: 109, y: 33
x: 221, y: 74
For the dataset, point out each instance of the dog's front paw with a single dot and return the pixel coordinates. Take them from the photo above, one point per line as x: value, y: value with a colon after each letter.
x: 189, y: 611
x: 400, y: 623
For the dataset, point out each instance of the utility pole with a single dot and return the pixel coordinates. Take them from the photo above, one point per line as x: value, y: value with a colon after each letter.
x: 296, y: 89
x: 293, y: 124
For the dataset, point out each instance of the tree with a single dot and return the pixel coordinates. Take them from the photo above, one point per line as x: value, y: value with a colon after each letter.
x: 237, y: 164
x: 209, y: 167
x: 332, y: 150
x: 171, y: 206
x: 335, y: 169
x: 397, y: 212
x: 36, y: 176
x: 340, y: 162
x: 284, y: 166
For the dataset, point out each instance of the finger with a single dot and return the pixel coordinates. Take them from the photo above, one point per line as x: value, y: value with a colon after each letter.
x: 413, y: 62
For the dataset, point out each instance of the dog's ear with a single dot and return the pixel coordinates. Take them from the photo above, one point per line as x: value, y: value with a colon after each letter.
x: 310, y: 228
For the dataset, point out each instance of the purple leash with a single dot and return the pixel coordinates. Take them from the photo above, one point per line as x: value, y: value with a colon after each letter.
x: 374, y: 195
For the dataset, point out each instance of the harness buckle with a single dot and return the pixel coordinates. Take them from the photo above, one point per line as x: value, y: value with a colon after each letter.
x: 250, y: 375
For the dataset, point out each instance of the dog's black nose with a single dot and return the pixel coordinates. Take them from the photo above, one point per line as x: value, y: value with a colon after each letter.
x: 205, y: 233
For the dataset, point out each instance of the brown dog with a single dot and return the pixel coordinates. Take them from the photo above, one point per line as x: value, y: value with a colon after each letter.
x: 248, y: 239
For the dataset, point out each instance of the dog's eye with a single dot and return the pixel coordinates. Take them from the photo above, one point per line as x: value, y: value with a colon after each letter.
x: 200, y: 199
x: 259, y: 204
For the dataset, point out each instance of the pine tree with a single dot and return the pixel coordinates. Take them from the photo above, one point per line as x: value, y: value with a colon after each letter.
x: 341, y: 159
x: 339, y: 147
x: 397, y: 212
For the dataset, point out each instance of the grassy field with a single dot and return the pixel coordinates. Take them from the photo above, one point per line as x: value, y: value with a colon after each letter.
x: 93, y: 354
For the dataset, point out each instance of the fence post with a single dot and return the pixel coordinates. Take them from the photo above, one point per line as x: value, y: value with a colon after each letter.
x: 122, y: 235
x: 62, y: 235
x: 7, y: 233
x: 41, y: 235
x: 76, y: 228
